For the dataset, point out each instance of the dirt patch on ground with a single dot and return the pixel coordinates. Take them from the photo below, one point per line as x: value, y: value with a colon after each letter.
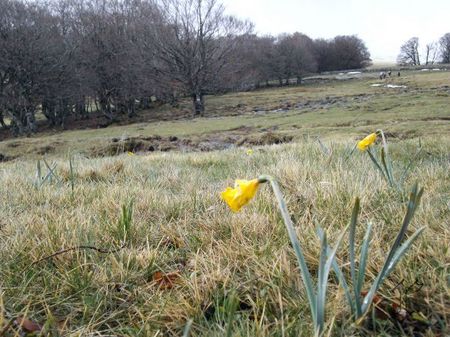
x: 310, y: 105
x: 46, y: 149
x: 401, y: 135
x: 5, y: 158
x: 136, y: 144
x: 426, y: 119
x: 267, y: 138
x: 142, y: 144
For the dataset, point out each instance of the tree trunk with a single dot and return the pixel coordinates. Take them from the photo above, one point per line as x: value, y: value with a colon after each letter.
x: 173, y: 101
x: 106, y: 108
x: 16, y: 127
x: 144, y: 103
x: 199, y: 104
x: 2, y: 121
x: 64, y: 110
x: 48, y: 110
x: 23, y: 123
x: 299, y: 80
x: 131, y: 108
x: 80, y: 109
x: 31, y: 122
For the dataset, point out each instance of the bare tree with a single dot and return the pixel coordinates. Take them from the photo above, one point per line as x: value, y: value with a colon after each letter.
x: 296, y: 54
x: 350, y: 52
x: 31, y: 61
x: 193, y: 42
x: 431, y: 53
x: 444, y: 48
x: 240, y: 73
x: 261, y: 58
x: 342, y: 52
x: 409, y: 53
x: 323, y: 52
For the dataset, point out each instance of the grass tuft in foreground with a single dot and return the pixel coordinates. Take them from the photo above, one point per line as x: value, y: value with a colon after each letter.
x: 245, y: 190
x: 189, y: 258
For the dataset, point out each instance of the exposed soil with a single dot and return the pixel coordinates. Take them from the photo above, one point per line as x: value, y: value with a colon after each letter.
x: 307, y: 105
x: 267, y: 138
x: 215, y: 142
x: 5, y: 158
x: 401, y: 135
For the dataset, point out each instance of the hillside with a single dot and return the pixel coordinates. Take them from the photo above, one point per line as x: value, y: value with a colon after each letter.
x: 334, y: 109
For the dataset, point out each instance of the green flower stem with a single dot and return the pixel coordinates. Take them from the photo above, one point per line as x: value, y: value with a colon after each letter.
x: 386, y: 160
x: 306, y: 276
x: 377, y: 165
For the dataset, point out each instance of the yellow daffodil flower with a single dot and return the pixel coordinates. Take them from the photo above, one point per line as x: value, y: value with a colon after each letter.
x: 130, y: 153
x: 241, y: 194
x: 364, y: 144
x: 249, y: 152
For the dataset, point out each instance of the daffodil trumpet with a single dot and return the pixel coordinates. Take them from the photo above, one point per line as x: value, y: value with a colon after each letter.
x: 368, y: 141
x: 241, y: 194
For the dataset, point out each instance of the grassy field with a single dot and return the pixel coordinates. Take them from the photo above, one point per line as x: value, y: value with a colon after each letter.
x: 335, y: 110
x: 183, y: 255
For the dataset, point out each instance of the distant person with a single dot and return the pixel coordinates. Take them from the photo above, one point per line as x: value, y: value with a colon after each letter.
x: 389, y: 73
x: 398, y: 74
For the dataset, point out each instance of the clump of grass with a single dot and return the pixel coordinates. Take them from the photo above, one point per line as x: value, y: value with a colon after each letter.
x: 124, y: 227
x: 317, y: 296
x: 244, y: 191
x: 359, y: 303
x: 49, y: 176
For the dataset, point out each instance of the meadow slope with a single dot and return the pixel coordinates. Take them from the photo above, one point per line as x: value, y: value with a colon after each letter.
x: 334, y: 110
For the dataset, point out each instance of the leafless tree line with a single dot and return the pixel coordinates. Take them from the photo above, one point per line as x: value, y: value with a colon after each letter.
x: 67, y: 59
x: 434, y: 52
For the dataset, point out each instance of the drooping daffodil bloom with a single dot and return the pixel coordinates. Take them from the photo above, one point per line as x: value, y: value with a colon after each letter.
x: 241, y: 194
x: 364, y: 144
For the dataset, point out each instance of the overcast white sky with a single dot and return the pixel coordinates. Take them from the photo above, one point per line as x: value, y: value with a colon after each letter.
x: 383, y: 24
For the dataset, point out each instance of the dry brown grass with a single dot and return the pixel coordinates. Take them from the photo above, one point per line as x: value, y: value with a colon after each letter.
x: 180, y: 225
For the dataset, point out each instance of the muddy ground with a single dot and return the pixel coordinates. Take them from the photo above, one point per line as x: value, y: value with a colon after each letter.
x: 214, y: 142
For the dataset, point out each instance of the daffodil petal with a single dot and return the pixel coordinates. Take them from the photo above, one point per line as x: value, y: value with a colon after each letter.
x: 229, y: 195
x: 367, y: 141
